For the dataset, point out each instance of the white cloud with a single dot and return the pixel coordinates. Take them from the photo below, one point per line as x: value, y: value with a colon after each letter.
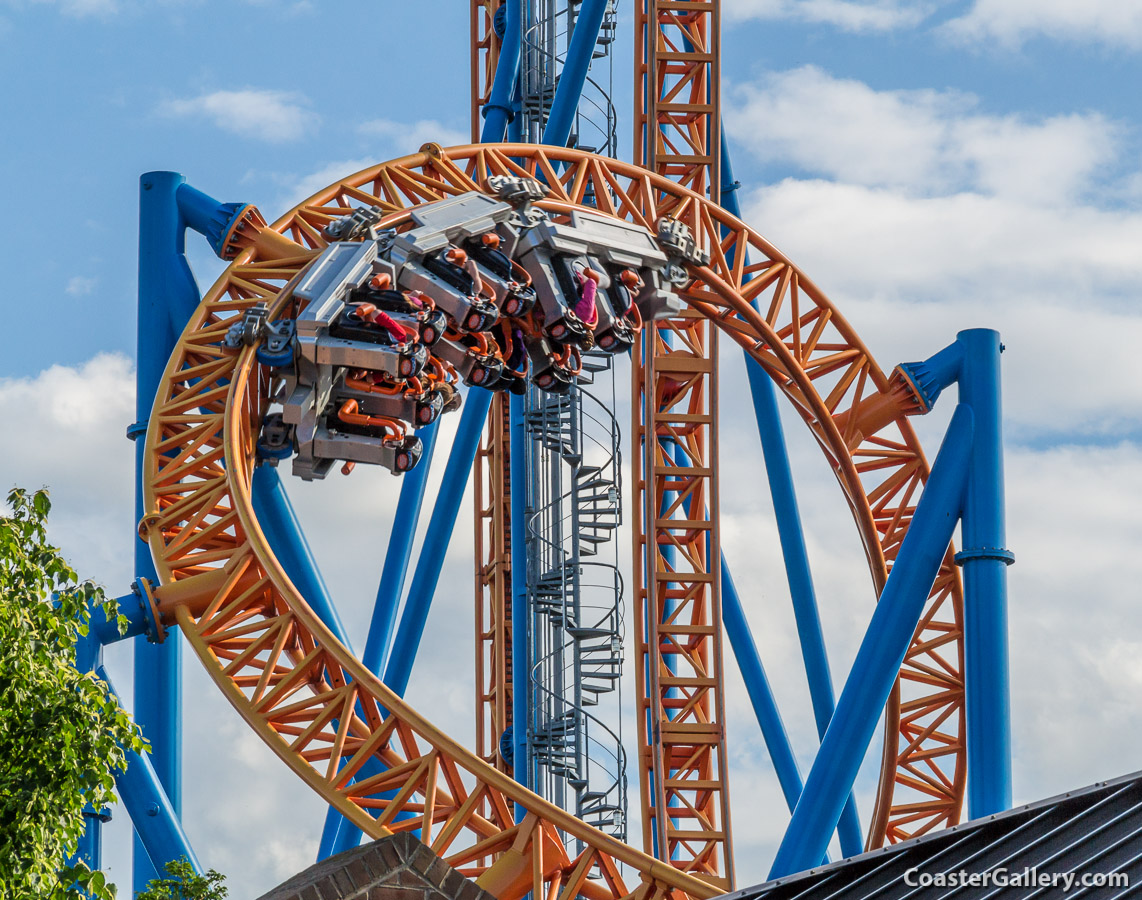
x: 923, y: 216
x: 67, y: 430
x: 296, y: 188
x: 80, y: 286
x: 77, y: 8
x: 1012, y: 22
x: 389, y: 139
x: 849, y: 15
x: 910, y: 272
x: 269, y: 115
x: 924, y: 141
x: 407, y: 137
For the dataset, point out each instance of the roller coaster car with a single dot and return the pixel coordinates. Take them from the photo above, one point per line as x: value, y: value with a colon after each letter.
x: 430, y: 323
x: 337, y: 440
x: 325, y: 289
x: 506, y: 279
x: 450, y: 288
x: 341, y: 433
x: 550, y: 370
x: 475, y: 365
x: 424, y: 258
x: 619, y: 320
x: 420, y: 406
x: 551, y: 251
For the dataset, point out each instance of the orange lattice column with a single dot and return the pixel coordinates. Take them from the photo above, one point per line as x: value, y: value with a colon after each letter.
x: 493, y: 587
x: 485, y: 52
x: 682, y: 762
x: 493, y: 486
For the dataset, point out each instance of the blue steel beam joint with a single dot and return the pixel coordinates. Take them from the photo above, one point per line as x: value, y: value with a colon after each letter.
x: 141, y: 612
x: 216, y: 221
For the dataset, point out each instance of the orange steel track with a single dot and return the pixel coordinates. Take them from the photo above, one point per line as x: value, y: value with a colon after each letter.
x: 325, y: 714
x: 677, y: 549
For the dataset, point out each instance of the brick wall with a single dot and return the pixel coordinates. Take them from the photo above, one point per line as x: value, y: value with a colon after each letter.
x: 398, y: 867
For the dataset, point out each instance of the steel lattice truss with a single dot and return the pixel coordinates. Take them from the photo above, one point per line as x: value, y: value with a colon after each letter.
x: 677, y: 551
x: 329, y: 718
x: 493, y: 587
x: 485, y: 53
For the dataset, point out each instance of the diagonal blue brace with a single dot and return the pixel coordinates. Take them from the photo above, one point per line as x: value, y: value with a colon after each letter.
x: 760, y: 693
x: 881, y: 653
x: 278, y: 521
x: 151, y: 811
x: 391, y: 588
x: 565, y: 103
x: 393, y: 574
x: 792, y: 537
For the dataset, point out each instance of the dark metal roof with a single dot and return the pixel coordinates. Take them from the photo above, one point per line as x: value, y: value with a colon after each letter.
x: 1094, y: 831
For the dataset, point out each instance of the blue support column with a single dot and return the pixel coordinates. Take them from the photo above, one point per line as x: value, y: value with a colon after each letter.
x: 880, y: 655
x: 151, y: 810
x: 985, y: 560
x: 400, y: 550
x: 521, y: 655
x: 168, y: 296
x: 498, y: 111
x: 279, y: 523
x: 792, y: 537
x: 573, y: 76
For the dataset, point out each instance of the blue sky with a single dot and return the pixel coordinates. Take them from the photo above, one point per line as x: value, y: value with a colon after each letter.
x: 932, y: 165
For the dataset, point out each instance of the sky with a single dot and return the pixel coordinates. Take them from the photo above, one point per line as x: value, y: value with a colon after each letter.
x: 933, y: 166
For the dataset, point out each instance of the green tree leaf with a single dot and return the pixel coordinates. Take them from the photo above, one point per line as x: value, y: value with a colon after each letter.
x: 62, y: 734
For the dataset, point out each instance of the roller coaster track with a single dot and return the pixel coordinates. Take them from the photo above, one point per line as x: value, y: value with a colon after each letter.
x: 333, y: 721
